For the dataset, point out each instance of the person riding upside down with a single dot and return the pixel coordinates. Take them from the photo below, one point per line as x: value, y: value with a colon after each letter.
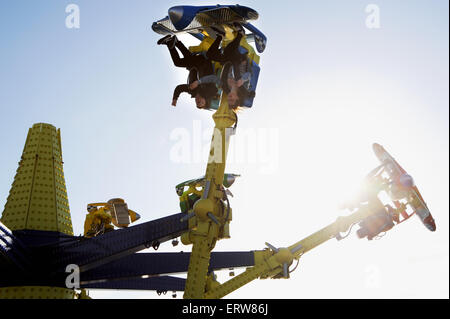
x: 202, y: 81
x: 235, y: 78
x: 236, y: 90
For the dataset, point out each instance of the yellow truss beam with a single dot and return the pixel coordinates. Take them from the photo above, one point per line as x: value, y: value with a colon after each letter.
x: 210, y: 223
x: 269, y: 263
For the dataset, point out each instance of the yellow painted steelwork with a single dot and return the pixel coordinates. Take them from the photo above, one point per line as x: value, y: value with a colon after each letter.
x: 268, y: 264
x: 38, y: 200
x: 210, y: 215
x: 38, y: 196
x: 102, y: 216
x: 97, y: 221
x: 38, y: 292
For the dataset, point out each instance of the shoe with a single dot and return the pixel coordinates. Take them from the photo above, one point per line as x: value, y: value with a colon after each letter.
x: 218, y: 31
x: 172, y: 42
x: 239, y: 28
x: 164, y: 40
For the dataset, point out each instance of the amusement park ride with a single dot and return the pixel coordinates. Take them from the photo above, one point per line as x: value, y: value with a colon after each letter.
x: 36, y: 237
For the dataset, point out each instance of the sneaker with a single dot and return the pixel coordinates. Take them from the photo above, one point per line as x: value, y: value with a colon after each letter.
x: 164, y: 40
x: 171, y: 43
x: 218, y: 31
x: 239, y: 28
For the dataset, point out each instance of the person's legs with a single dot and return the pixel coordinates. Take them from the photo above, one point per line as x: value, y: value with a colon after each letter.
x: 179, y: 62
x: 232, y: 48
x: 232, y: 54
x: 188, y: 61
x: 185, y: 51
x: 202, y: 64
x: 236, y: 70
x: 213, y: 52
x: 224, y: 77
x: 193, y: 75
x: 174, y: 43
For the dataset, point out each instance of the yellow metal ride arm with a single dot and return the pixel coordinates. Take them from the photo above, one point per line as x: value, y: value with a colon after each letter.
x: 274, y: 263
x: 209, y: 216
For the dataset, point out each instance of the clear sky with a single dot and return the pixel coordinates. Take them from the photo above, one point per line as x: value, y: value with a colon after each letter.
x: 329, y: 87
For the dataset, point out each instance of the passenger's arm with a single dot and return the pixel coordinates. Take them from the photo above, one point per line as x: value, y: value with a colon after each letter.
x: 178, y: 90
x: 208, y: 79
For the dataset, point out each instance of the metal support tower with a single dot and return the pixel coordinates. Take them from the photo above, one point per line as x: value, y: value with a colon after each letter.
x: 38, y: 200
x: 209, y: 216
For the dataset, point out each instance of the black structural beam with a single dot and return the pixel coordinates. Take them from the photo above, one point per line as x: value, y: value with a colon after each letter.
x: 89, y: 253
x: 164, y: 283
x: 145, y: 264
x: 14, y: 254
